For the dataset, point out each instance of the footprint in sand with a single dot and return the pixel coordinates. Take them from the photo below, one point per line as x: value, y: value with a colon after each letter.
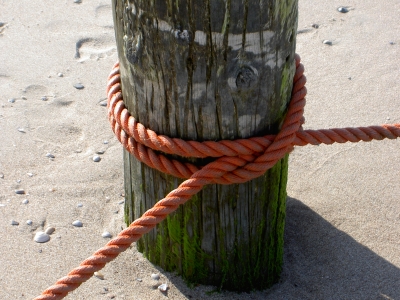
x: 37, y: 92
x: 3, y: 26
x: 91, y: 48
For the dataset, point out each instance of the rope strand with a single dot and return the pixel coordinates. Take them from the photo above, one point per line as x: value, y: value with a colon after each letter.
x: 236, y: 161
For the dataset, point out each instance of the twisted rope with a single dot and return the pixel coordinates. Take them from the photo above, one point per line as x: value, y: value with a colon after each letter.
x: 237, y: 161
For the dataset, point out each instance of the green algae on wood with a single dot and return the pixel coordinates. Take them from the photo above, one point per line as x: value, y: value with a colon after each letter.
x: 209, y: 70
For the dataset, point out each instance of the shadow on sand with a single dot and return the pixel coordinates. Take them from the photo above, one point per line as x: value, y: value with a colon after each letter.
x: 321, y: 262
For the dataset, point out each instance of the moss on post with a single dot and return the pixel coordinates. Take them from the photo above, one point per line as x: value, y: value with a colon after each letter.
x: 209, y: 70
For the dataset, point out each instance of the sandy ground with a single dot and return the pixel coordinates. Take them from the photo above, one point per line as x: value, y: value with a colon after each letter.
x: 342, y: 238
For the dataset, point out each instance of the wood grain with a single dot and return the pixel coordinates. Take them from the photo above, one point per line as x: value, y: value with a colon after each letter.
x: 209, y: 70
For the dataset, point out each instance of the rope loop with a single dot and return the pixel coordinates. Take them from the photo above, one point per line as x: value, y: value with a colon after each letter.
x: 260, y: 153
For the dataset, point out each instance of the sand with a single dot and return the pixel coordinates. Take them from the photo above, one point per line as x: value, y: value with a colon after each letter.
x: 343, y: 210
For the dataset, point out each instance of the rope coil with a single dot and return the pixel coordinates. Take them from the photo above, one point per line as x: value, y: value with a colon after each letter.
x: 237, y: 161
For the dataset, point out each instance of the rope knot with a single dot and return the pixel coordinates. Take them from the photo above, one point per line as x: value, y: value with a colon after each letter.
x: 237, y: 161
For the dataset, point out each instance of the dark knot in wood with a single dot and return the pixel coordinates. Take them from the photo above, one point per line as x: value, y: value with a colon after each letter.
x: 246, y: 78
x: 182, y: 36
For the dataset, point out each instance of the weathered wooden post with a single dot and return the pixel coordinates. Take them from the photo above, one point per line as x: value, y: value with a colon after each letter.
x: 209, y: 70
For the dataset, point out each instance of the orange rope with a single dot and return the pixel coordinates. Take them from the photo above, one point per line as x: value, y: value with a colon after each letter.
x: 237, y: 161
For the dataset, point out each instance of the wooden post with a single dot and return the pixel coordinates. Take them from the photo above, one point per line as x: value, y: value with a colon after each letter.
x: 209, y: 70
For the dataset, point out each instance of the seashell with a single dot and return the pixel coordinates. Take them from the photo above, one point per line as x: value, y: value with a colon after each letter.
x: 99, y: 275
x: 163, y: 287
x: 79, y: 86
x: 49, y: 155
x: 20, y: 192
x: 106, y: 234
x: 41, y: 237
x: 50, y: 230
x: 155, y: 276
x: 77, y: 223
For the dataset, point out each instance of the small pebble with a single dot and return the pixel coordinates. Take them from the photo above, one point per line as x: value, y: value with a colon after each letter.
x: 392, y: 43
x: 99, y: 275
x: 163, y: 287
x: 343, y: 9
x: 15, y: 223
x: 103, y: 103
x: 1, y: 175
x: 80, y: 205
x: 100, y: 152
x: 316, y: 26
x: 60, y: 75
x: 41, y: 237
x: 49, y: 155
x: 21, y: 130
x: 25, y: 201
x: 44, y: 98
x: 12, y: 100
x: 50, y: 230
x: 106, y: 234
x: 20, y: 192
x: 105, y: 142
x: 139, y: 279
x: 29, y: 222
x: 19, y: 181
x: 24, y: 98
x: 78, y: 86
x: 327, y: 42
x: 155, y: 276
x: 77, y: 223
x: 96, y: 158
x: 29, y: 174
x: 121, y: 202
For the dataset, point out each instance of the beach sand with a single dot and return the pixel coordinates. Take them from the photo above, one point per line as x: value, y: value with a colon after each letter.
x: 342, y: 234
